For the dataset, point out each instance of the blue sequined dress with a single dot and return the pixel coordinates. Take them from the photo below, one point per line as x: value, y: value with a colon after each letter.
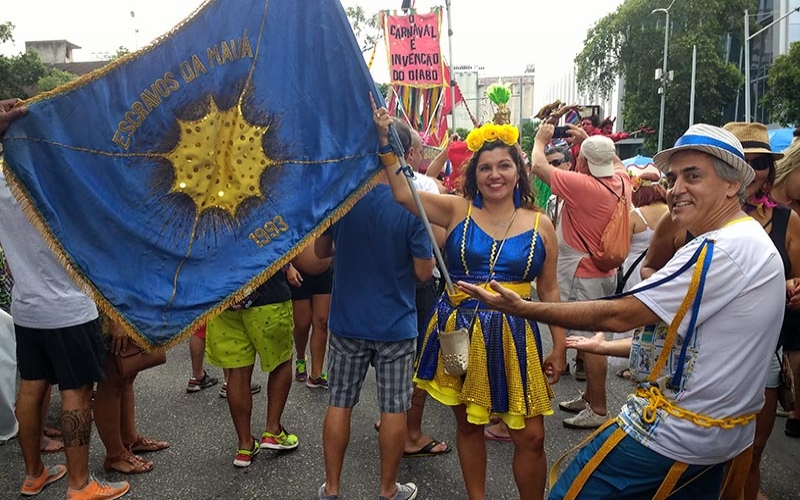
x: 505, y: 375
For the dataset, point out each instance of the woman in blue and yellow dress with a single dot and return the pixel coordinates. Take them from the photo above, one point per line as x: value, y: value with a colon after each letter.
x: 508, y: 374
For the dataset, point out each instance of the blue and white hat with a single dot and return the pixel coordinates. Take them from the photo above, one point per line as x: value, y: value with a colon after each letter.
x: 712, y: 140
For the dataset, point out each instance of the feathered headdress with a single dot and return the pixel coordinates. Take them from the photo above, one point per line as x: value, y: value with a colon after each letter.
x: 500, y: 94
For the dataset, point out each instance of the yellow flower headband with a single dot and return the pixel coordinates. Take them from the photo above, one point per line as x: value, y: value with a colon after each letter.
x: 491, y: 132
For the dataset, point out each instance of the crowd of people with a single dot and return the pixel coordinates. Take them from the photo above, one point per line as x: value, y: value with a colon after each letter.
x: 703, y: 307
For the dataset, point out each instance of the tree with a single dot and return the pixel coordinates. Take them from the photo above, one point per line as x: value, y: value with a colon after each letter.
x: 384, y: 90
x: 366, y: 29
x: 18, y: 74
x: 527, y: 134
x: 626, y: 44
x: 783, y: 83
x: 54, y: 78
x: 121, y: 51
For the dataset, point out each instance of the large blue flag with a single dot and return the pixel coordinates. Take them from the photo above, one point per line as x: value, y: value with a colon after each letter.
x: 175, y: 180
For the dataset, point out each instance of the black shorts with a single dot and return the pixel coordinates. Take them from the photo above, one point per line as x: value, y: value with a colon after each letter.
x: 424, y: 300
x: 71, y: 357
x: 790, y: 331
x: 313, y: 284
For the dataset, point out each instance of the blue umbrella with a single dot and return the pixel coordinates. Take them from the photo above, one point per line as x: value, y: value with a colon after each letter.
x: 780, y: 139
x: 637, y: 160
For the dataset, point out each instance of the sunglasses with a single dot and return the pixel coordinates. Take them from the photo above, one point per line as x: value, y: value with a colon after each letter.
x: 761, y: 162
x: 557, y: 163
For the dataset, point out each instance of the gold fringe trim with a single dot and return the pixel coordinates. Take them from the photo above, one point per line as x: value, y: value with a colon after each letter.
x: 106, y: 308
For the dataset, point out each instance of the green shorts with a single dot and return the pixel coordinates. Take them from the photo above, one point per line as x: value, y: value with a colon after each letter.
x: 234, y: 337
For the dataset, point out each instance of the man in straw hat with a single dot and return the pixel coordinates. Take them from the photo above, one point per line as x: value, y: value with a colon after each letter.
x: 701, y: 365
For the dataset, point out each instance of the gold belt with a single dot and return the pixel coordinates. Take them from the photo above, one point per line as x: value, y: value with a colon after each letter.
x: 523, y: 288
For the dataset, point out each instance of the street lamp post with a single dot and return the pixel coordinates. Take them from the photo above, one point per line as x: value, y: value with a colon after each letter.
x: 747, y: 38
x: 663, y: 88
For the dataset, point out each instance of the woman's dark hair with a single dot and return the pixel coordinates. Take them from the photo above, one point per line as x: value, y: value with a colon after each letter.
x: 769, y: 182
x: 469, y: 177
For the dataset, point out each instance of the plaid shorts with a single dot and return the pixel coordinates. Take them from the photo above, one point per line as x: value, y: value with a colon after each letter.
x: 348, y: 362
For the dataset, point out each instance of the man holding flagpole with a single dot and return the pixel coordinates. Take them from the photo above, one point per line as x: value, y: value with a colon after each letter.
x: 380, y: 249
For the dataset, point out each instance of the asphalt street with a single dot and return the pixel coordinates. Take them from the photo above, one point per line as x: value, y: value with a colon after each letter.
x: 198, y: 465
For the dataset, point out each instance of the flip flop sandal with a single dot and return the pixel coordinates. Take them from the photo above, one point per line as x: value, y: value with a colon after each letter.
x: 50, y: 447
x: 138, y: 465
x: 427, y: 450
x: 488, y: 434
x: 145, y: 445
x: 52, y: 432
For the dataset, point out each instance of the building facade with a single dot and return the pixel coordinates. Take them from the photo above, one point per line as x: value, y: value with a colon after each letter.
x: 473, y: 86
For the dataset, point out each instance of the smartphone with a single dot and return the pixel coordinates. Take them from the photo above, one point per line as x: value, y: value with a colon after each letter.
x: 561, y: 132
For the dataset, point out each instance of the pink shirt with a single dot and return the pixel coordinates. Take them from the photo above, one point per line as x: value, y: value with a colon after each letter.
x: 587, y: 209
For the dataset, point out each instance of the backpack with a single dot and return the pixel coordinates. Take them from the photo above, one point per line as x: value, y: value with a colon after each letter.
x: 615, y: 242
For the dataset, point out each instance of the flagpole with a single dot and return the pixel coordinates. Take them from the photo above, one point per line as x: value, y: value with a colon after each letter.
x: 394, y: 140
x: 452, y: 68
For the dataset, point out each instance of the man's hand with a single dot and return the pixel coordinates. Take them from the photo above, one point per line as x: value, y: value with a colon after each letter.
x: 576, y: 135
x: 8, y: 113
x: 505, y: 300
x: 544, y: 135
x: 592, y: 345
x: 382, y: 119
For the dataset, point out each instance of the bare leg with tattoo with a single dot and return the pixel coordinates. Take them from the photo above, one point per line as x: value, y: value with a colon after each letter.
x: 76, y: 424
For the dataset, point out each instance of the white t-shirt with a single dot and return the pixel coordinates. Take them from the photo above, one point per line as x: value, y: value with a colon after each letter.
x: 43, y: 296
x: 424, y: 183
x: 736, y: 332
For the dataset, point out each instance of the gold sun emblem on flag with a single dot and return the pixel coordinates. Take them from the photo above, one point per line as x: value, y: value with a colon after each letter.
x: 219, y: 159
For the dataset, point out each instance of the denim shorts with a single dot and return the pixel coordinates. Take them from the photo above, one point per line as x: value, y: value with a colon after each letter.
x: 774, y: 373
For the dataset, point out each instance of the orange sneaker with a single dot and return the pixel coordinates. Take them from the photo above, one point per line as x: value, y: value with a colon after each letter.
x: 99, y: 490
x: 34, y: 485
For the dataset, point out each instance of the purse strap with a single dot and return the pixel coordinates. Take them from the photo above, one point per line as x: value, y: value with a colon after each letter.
x: 491, y: 270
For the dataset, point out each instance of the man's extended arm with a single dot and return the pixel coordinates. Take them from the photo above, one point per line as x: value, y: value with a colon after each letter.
x: 618, y: 315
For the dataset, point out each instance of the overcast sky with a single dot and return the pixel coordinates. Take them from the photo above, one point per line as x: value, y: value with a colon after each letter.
x: 504, y: 37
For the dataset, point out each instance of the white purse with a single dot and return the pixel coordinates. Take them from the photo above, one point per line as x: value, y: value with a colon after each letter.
x: 454, y: 348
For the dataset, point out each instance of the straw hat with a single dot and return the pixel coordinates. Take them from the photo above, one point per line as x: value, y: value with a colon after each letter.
x: 754, y: 137
x: 714, y: 141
